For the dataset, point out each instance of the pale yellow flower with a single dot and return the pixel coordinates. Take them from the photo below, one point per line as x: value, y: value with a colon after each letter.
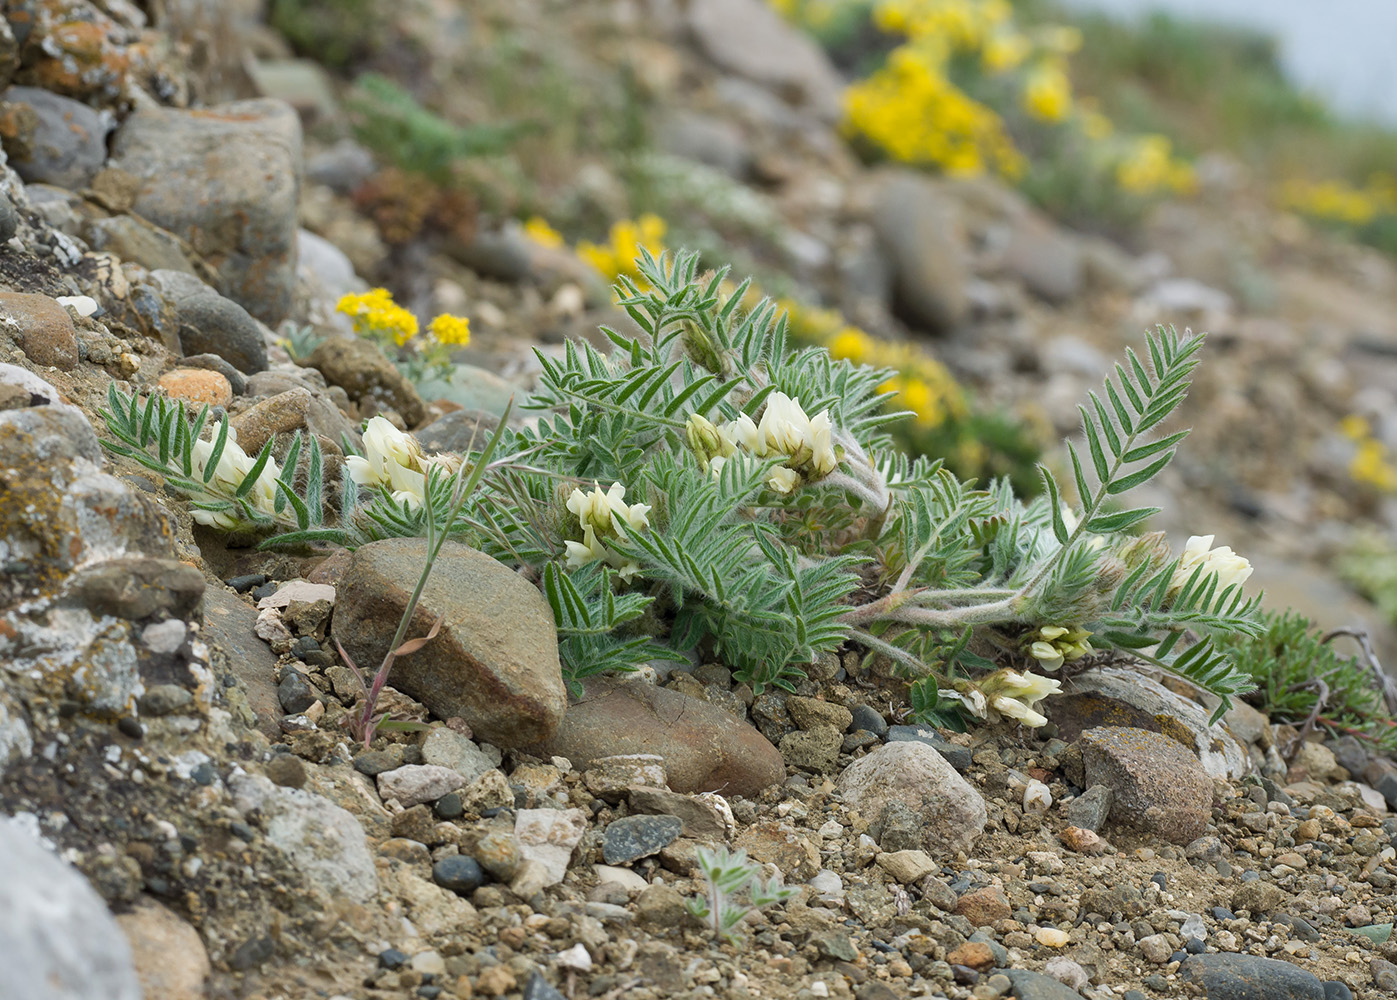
x: 1229, y: 566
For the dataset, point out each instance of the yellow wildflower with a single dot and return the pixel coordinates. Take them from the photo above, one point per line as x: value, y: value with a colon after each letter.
x: 1047, y: 95
x: 448, y: 329
x: 537, y: 229
x: 376, y: 315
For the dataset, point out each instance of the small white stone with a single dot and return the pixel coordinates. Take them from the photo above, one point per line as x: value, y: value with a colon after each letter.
x: 831, y: 830
x: 413, y: 784
x: 298, y: 590
x: 83, y: 305
x: 624, y: 877
x: 575, y: 958
x: 819, y: 988
x: 1037, y: 797
x: 1051, y: 937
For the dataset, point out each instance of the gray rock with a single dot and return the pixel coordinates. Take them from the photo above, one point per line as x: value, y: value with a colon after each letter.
x: 413, y: 784
x: 474, y: 389
x: 919, y: 230
x: 502, y: 254
x: 494, y: 662
x: 9, y: 219
x: 136, y: 588
x: 141, y: 242
x: 701, y: 819
x: 1090, y: 809
x: 59, y: 940
x: 1260, y: 898
x: 957, y: 757
x: 458, y: 431
x: 1249, y: 977
x: 236, y: 652
x: 447, y: 748
x: 749, y: 38
x: 634, y: 837
x: 212, y: 324
x: 954, y: 814
x: 1115, y: 696
x: 15, y: 741
x: 716, y: 142
x: 1036, y: 986
x: 1157, y: 786
x: 897, y: 827
x: 60, y: 141
x: 342, y: 168
x: 323, y: 841
x: 870, y: 720
x: 226, y: 179
x: 1044, y: 258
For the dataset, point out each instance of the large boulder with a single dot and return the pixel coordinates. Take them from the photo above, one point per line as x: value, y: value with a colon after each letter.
x: 226, y: 179
x: 495, y: 661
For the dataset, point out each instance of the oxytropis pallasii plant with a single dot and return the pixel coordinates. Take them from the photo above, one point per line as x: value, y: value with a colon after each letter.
x: 706, y: 486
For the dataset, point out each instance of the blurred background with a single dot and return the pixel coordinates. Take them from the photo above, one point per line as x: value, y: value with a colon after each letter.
x: 992, y: 199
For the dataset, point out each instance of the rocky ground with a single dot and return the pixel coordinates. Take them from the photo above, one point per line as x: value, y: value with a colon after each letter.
x: 187, y: 816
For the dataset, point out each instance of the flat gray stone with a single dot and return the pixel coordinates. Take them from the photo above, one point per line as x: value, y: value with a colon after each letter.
x: 57, y: 936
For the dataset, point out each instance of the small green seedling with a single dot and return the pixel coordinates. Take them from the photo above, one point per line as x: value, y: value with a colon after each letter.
x: 728, y: 875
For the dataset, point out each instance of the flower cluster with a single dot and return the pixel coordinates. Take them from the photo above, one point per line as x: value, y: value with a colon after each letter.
x: 454, y: 331
x: 537, y: 229
x: 393, y: 461
x: 600, y: 516
x: 378, y: 317
x: 806, y: 444
x: 1338, y: 202
x: 1371, y: 464
x: 617, y: 256
x: 1052, y: 645
x: 917, y: 107
x: 914, y: 113
x: 1007, y: 694
x: 1147, y: 165
x: 1228, y: 565
x: 382, y: 320
x: 233, y: 466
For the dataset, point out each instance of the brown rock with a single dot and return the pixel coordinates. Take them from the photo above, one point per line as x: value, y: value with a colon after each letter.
x: 41, y: 327
x: 983, y: 907
x: 198, y: 386
x: 293, y: 410
x: 494, y: 662
x: 973, y: 955
x: 365, y: 373
x: 1074, y: 838
x: 781, y: 845
x: 1158, y: 786
x: 705, y: 749
x: 167, y: 952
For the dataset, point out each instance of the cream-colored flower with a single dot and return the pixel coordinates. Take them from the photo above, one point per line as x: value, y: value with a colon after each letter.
x: 234, y: 464
x: 784, y: 427
x: 742, y: 432
x: 824, y: 458
x: 1228, y: 565
x: 782, y: 479
x: 1046, y: 654
x: 601, y: 511
x: 1013, y: 694
x: 588, y: 550
x: 393, y: 459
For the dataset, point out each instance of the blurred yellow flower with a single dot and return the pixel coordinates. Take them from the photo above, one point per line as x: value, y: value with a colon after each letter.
x: 375, y: 314
x: 538, y: 230
x: 448, y: 329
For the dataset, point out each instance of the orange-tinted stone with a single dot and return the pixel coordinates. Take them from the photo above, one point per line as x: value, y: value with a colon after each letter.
x: 197, y: 385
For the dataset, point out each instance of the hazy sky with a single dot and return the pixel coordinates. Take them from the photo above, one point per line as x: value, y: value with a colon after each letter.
x: 1342, y: 50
